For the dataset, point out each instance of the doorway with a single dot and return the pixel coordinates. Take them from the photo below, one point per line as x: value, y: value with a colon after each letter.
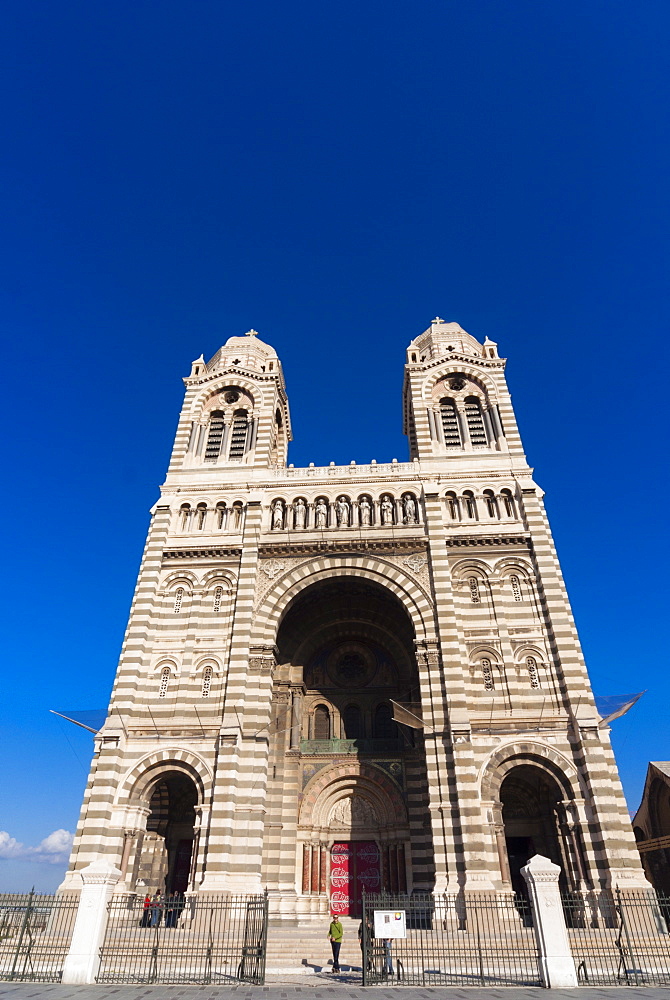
x: 354, y: 865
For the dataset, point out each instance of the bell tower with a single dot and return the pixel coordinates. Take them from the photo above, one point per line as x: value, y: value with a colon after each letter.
x: 454, y: 396
x: 236, y: 410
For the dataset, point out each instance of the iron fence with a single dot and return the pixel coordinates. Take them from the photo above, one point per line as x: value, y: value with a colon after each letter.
x: 463, y: 939
x: 35, y: 934
x: 619, y: 937
x: 197, y: 939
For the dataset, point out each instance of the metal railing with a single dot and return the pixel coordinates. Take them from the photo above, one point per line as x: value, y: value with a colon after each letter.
x: 373, y: 745
x: 35, y: 934
x: 463, y: 939
x: 619, y: 937
x: 197, y: 939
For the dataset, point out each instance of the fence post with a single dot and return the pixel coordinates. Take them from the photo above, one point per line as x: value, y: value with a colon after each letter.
x: 83, y: 959
x: 557, y: 966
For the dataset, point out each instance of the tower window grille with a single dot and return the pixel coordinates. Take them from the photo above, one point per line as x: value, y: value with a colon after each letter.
x: 238, y: 436
x: 215, y: 437
x: 218, y: 596
x: 487, y: 674
x: 321, y: 723
x: 452, y: 433
x: 515, y: 584
x: 178, y: 598
x: 206, y: 682
x: 533, y: 673
x: 475, y: 597
x: 165, y: 680
x: 201, y: 514
x: 220, y: 514
x: 475, y: 419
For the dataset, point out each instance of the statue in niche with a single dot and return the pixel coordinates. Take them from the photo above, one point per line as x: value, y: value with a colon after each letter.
x: 387, y: 510
x: 300, y: 513
x: 342, y: 510
x: 277, y: 515
x: 409, y: 506
x: 321, y: 514
x: 366, y: 512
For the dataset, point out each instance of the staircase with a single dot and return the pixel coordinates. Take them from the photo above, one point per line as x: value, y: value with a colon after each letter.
x: 303, y: 947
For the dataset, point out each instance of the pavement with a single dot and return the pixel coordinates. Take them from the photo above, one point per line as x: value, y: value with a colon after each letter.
x: 321, y: 986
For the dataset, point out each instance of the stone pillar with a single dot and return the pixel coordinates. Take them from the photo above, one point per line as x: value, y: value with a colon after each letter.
x: 83, y: 959
x: 296, y: 718
x: 557, y: 967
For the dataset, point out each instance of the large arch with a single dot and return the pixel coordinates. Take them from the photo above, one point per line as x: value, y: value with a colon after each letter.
x: 137, y: 783
x: 288, y: 585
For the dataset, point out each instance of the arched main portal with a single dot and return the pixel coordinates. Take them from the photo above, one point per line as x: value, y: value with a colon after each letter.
x: 163, y: 861
x: 346, y: 645
x: 532, y: 813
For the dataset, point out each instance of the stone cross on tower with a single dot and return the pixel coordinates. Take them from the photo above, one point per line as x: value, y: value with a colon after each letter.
x: 251, y: 333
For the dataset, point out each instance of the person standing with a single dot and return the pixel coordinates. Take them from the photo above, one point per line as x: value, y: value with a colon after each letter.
x: 335, y: 934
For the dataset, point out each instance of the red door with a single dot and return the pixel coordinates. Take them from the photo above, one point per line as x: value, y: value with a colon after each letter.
x: 354, y: 865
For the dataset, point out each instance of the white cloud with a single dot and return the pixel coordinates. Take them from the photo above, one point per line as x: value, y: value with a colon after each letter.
x: 53, y: 850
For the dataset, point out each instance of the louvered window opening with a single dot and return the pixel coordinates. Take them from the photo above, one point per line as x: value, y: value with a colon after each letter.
x: 165, y: 680
x: 214, y: 439
x: 452, y: 434
x: 178, y: 597
x: 238, y: 437
x: 473, y: 584
x: 206, y: 682
x: 321, y: 723
x: 473, y: 413
x: 533, y: 673
x: 218, y: 595
x: 516, y: 587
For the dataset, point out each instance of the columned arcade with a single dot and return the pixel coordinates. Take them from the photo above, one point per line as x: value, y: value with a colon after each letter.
x: 281, y: 615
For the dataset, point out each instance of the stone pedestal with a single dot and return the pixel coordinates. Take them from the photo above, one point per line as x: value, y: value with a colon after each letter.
x: 557, y: 967
x: 83, y: 959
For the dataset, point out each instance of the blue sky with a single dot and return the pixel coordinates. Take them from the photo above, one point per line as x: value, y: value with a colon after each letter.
x: 333, y: 175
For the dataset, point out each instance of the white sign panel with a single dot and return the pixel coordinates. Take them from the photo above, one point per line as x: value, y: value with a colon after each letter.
x: 390, y: 924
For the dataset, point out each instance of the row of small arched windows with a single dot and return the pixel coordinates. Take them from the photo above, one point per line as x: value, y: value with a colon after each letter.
x: 469, y: 507
x: 217, y: 599
x: 204, y: 518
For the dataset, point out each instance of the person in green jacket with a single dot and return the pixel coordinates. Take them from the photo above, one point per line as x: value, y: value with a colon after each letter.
x: 335, y: 937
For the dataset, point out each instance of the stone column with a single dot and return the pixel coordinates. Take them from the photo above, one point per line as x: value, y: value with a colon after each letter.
x: 83, y: 959
x: 296, y: 717
x: 557, y: 967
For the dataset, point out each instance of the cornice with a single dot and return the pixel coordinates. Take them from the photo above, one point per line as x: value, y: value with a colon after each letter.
x: 462, y: 540
x: 345, y: 547
x: 492, y: 363
x: 230, y: 553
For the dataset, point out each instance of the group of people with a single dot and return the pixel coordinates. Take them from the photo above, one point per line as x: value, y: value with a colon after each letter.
x: 365, y: 937
x: 158, y: 906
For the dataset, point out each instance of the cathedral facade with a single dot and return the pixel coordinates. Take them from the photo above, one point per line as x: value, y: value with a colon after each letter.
x: 348, y: 677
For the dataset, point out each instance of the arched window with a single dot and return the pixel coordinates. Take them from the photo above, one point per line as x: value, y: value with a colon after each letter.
x: 201, y: 514
x: 490, y: 501
x: 452, y: 432
x: 470, y: 505
x: 353, y: 722
x: 452, y: 506
x: 178, y: 598
x: 238, y: 435
x: 237, y: 516
x: 165, y: 680
x: 509, y: 503
x: 321, y: 723
x: 473, y: 584
x: 487, y: 674
x: 184, y: 516
x: 218, y: 597
x: 206, y: 681
x: 384, y: 726
x: 475, y: 419
x: 220, y: 514
x: 515, y: 584
x: 533, y: 673
x: 215, y: 436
